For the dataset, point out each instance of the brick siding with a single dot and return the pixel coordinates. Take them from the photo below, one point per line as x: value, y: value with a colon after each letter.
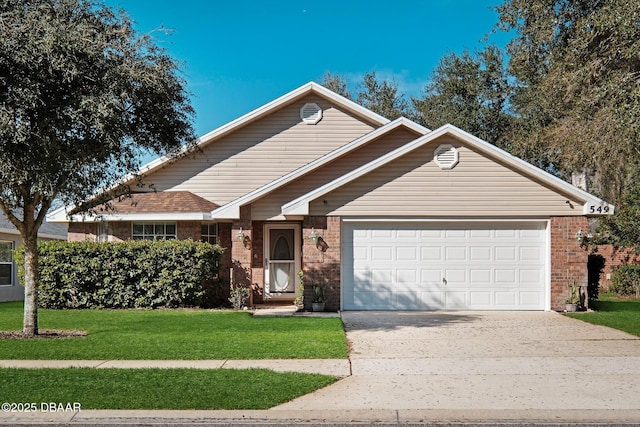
x: 321, y: 259
x: 613, y: 258
x: 568, y: 258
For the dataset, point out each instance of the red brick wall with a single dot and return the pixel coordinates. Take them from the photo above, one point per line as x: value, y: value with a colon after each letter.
x: 613, y: 258
x: 321, y: 259
x: 241, y: 252
x: 119, y: 231
x: 81, y: 231
x: 568, y: 258
x: 189, y: 230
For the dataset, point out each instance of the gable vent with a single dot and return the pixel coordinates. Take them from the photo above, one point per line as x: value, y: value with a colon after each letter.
x: 311, y: 113
x: 446, y: 156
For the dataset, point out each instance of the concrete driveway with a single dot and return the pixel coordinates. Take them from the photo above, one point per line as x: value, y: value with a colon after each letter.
x: 485, y: 365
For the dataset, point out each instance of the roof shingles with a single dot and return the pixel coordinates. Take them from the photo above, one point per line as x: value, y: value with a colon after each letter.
x: 166, y: 202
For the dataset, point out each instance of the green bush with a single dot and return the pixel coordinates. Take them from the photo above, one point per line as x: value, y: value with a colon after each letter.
x: 625, y: 280
x: 131, y: 274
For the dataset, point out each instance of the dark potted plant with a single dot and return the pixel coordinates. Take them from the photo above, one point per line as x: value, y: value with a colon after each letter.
x: 317, y: 304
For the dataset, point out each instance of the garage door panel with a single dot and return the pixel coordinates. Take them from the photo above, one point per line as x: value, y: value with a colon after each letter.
x: 407, y: 253
x: 455, y: 253
x: 480, y: 253
x: 431, y: 276
x: 480, y: 276
x: 480, y: 299
x: 431, y: 253
x: 484, y: 266
x: 506, y: 299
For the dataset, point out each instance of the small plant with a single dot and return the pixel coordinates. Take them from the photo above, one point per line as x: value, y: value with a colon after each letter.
x: 239, y: 297
x: 574, y: 294
x: 318, y: 293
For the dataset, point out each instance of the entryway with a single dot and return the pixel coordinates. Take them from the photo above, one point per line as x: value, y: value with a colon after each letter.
x: 282, y: 260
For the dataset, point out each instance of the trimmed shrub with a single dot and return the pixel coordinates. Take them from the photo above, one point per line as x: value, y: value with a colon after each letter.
x: 131, y: 274
x: 625, y: 280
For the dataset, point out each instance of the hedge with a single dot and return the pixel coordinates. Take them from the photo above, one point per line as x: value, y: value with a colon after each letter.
x: 626, y: 280
x: 131, y: 274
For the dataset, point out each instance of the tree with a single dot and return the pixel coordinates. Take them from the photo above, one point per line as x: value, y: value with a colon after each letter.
x: 382, y: 97
x: 82, y: 95
x: 468, y: 91
x: 577, y: 74
x: 337, y: 84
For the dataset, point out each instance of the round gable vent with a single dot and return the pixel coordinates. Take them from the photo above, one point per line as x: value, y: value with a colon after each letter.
x: 311, y: 113
x: 446, y: 156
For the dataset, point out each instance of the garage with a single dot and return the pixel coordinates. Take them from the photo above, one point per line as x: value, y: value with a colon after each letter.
x: 413, y: 265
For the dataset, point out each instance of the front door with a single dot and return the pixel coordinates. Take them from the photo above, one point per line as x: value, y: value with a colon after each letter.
x: 282, y: 260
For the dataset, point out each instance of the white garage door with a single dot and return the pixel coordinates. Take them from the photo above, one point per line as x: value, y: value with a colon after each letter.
x: 444, y: 266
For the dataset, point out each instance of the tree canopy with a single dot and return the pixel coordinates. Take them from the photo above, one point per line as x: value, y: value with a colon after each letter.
x: 566, y: 100
x: 81, y: 96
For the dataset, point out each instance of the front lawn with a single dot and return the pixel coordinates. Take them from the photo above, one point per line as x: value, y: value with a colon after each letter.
x: 173, y: 334
x: 614, y: 312
x: 156, y: 388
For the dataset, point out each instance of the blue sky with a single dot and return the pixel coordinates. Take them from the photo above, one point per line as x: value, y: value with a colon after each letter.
x: 238, y: 55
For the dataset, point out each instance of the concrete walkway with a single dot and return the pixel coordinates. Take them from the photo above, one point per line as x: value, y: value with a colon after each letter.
x: 336, y: 367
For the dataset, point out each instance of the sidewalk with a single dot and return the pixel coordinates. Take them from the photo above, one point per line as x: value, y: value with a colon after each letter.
x: 336, y: 367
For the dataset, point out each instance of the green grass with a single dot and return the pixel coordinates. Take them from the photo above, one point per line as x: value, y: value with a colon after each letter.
x: 614, y: 312
x: 157, y: 388
x: 174, y: 334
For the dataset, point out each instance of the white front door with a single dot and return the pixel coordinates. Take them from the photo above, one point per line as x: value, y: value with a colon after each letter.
x: 282, y: 260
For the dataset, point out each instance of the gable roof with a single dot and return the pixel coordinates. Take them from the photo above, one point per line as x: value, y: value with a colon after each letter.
x: 232, y: 210
x: 270, y: 107
x: 60, y: 214
x: 300, y: 206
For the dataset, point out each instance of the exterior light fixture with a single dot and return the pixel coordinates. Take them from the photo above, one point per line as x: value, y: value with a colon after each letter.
x: 240, y: 236
x: 580, y: 236
x: 313, y: 236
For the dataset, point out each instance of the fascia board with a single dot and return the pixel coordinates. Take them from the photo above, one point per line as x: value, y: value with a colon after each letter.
x: 11, y: 231
x: 156, y: 216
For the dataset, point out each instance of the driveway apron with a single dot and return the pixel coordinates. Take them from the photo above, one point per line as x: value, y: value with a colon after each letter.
x: 500, y: 361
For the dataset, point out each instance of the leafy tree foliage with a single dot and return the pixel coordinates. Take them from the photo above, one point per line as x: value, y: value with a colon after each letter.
x: 382, y: 97
x: 337, y: 84
x: 81, y: 96
x: 468, y: 91
x: 578, y: 72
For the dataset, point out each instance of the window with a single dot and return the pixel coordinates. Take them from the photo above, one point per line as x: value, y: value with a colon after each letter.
x: 154, y: 231
x: 209, y: 232
x: 6, y: 263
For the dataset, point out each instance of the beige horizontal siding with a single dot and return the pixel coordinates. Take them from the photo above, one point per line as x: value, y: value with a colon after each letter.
x: 415, y: 186
x: 260, y: 152
x: 270, y: 205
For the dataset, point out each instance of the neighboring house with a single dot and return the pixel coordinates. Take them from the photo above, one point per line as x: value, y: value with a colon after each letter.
x: 10, y: 288
x: 388, y: 214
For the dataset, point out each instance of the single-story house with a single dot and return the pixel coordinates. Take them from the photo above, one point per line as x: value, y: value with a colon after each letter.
x: 388, y: 215
x: 10, y: 288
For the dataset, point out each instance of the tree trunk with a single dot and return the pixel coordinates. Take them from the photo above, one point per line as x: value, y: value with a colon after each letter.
x: 31, y: 279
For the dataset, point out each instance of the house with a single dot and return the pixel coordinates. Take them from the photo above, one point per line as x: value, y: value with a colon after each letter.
x: 10, y: 288
x: 388, y: 215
